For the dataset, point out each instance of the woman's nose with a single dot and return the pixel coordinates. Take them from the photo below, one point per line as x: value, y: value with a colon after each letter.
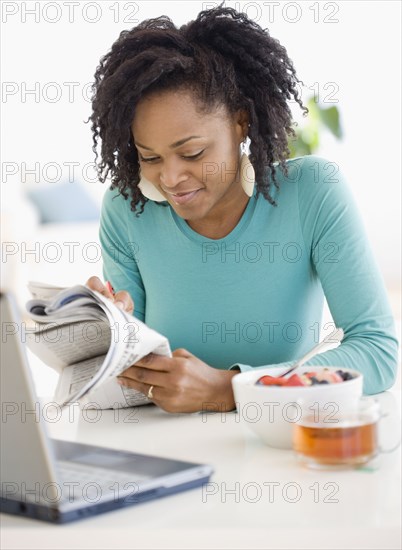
x: 171, y: 174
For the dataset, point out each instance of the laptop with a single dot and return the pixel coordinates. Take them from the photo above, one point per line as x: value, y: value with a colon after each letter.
x: 61, y: 481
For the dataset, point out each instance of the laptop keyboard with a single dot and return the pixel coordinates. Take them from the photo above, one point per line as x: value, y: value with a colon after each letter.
x: 95, y: 483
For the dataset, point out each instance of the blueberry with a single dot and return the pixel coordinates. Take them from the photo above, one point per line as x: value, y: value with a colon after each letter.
x: 344, y: 375
x: 323, y: 382
x: 314, y: 380
x: 347, y: 376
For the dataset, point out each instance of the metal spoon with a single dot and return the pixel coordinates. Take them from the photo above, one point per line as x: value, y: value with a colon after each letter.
x: 335, y: 336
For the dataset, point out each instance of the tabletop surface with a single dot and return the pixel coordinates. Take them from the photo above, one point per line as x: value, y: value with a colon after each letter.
x: 258, y: 497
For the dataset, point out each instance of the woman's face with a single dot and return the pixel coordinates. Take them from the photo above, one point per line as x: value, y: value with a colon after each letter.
x: 185, y: 153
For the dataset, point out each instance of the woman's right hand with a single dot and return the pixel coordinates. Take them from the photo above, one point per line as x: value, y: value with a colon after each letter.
x: 121, y: 299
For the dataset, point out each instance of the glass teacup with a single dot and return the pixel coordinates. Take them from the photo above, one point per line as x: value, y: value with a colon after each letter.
x: 326, y: 437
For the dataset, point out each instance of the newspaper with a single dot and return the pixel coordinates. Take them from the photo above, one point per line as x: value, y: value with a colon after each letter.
x: 89, y: 342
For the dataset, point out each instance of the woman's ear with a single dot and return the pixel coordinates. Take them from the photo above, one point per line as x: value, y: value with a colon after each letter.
x: 242, y: 122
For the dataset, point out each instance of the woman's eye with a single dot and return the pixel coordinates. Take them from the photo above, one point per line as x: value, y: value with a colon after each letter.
x: 147, y: 160
x: 190, y: 157
x: 194, y: 156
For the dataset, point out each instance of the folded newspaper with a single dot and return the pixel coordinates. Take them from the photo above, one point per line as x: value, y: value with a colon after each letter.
x: 89, y: 342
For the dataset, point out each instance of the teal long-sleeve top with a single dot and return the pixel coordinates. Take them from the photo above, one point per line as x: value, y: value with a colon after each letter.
x: 255, y: 297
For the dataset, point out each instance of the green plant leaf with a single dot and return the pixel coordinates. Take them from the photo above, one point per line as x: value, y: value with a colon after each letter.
x: 330, y: 119
x: 298, y: 147
x: 307, y: 139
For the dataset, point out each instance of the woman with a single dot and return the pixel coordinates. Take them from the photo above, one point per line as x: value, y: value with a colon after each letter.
x: 230, y: 257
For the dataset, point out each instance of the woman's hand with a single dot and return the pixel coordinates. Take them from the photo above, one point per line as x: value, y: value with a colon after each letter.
x: 182, y: 383
x: 121, y: 299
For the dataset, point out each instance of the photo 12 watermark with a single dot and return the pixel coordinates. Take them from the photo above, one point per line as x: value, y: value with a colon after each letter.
x: 69, y: 92
x: 270, y: 492
x: 96, y: 333
x: 270, y: 332
x: 62, y: 12
x: 52, y: 492
x: 71, y: 413
x: 70, y: 252
x: 287, y: 12
x: 267, y: 252
x: 270, y: 412
x: 48, y: 172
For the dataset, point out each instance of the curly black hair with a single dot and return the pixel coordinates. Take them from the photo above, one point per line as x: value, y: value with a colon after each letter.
x: 223, y: 58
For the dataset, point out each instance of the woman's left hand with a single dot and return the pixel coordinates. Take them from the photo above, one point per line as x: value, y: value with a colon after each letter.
x: 182, y: 383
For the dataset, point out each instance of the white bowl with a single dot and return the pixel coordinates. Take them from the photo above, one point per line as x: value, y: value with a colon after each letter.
x: 271, y: 411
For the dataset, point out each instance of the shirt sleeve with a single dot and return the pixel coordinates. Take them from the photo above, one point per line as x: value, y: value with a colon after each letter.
x: 118, y: 252
x: 340, y: 254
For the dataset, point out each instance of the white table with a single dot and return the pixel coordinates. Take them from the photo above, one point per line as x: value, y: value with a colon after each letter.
x: 258, y: 497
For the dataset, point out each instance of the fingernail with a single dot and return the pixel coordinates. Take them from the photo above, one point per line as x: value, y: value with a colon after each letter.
x: 120, y: 381
x: 119, y: 304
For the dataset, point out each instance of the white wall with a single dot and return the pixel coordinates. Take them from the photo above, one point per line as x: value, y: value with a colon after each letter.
x: 360, y: 53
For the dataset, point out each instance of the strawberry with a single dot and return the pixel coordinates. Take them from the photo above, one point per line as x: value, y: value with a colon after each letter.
x: 294, y: 380
x: 271, y: 381
x: 336, y: 378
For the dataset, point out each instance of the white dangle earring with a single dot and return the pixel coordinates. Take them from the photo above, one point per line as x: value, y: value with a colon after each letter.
x: 247, y: 173
x: 150, y: 191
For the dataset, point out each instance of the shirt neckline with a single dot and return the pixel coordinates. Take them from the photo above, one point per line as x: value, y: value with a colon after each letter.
x: 234, y: 234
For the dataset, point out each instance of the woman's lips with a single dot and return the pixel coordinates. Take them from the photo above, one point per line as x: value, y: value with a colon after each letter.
x: 185, y: 197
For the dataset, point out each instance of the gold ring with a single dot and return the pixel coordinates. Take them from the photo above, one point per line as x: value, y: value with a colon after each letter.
x: 150, y: 394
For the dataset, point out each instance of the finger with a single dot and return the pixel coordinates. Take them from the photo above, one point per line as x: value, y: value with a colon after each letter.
x: 140, y: 386
x: 123, y: 300
x: 181, y: 352
x: 94, y: 283
x: 146, y: 376
x: 155, y: 362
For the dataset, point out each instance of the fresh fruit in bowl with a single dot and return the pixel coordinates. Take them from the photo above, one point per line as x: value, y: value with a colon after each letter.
x: 325, y: 376
x: 268, y: 404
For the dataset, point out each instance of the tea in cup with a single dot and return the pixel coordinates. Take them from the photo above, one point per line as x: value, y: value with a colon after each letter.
x: 329, y: 438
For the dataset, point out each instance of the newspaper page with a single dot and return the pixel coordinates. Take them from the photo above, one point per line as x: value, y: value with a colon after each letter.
x: 109, y: 395
x: 59, y: 345
x: 90, y: 352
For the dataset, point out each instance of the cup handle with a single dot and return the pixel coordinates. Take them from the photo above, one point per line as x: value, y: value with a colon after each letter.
x: 395, y: 447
